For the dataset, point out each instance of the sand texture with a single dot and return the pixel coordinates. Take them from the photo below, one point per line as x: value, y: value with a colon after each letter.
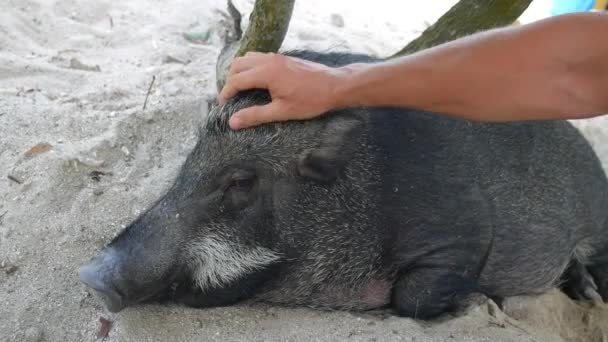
x: 80, y: 158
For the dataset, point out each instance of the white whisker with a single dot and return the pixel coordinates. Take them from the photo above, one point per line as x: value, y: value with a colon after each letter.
x: 216, y: 262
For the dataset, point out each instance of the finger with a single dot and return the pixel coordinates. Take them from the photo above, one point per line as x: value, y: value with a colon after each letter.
x: 256, y: 115
x: 250, y: 60
x: 249, y: 79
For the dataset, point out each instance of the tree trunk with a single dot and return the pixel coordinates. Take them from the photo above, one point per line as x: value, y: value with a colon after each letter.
x: 465, y: 18
x: 268, y: 24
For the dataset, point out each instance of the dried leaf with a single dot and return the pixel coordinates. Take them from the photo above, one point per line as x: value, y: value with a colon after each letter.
x: 38, y: 149
x: 105, y: 327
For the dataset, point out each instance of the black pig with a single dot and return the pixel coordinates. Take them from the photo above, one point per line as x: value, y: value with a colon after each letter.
x: 367, y: 207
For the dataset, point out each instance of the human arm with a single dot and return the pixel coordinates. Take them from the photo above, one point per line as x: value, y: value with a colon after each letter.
x: 555, y: 68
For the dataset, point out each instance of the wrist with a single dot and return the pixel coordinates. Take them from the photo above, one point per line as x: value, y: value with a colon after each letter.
x: 344, y: 84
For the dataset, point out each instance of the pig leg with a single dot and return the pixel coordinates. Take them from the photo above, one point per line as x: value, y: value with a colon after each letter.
x: 579, y: 283
x: 214, y: 298
x: 600, y: 274
x: 598, y: 268
x: 188, y: 295
x: 424, y: 293
x: 237, y: 291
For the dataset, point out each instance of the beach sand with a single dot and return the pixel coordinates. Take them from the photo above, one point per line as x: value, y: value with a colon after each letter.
x: 80, y: 158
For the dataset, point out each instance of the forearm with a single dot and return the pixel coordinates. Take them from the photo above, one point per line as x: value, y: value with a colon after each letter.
x: 555, y: 68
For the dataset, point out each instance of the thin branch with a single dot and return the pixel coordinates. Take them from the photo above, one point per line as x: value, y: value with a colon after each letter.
x: 465, y: 18
x: 149, y: 90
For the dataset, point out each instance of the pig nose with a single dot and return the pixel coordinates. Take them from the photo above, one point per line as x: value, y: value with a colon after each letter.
x: 96, y: 275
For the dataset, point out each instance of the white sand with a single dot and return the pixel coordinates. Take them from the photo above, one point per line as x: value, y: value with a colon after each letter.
x: 59, y: 216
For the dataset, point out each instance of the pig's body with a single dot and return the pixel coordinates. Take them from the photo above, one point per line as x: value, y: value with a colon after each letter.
x: 506, y: 205
x: 365, y: 208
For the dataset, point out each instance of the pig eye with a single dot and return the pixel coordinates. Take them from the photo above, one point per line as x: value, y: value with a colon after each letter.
x: 240, y: 190
x: 241, y: 183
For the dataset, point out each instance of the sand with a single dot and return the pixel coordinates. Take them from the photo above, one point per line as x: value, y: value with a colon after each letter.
x: 80, y: 158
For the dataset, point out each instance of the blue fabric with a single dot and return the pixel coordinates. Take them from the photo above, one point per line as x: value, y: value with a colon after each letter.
x: 570, y: 6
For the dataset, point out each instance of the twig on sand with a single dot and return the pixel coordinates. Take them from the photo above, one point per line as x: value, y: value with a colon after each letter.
x: 15, y: 179
x: 149, y: 90
x: 2, y: 217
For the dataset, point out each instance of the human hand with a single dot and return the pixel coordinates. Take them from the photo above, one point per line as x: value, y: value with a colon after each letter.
x: 299, y: 89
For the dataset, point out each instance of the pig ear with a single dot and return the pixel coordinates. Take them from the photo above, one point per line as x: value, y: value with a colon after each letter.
x: 336, y: 146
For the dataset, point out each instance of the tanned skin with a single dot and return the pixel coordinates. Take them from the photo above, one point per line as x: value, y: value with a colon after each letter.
x: 555, y: 68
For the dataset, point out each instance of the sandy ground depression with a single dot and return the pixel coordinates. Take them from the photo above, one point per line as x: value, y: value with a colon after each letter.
x: 80, y: 158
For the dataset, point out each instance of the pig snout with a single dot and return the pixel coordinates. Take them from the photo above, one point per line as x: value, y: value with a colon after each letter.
x: 101, y: 275
x: 140, y: 264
